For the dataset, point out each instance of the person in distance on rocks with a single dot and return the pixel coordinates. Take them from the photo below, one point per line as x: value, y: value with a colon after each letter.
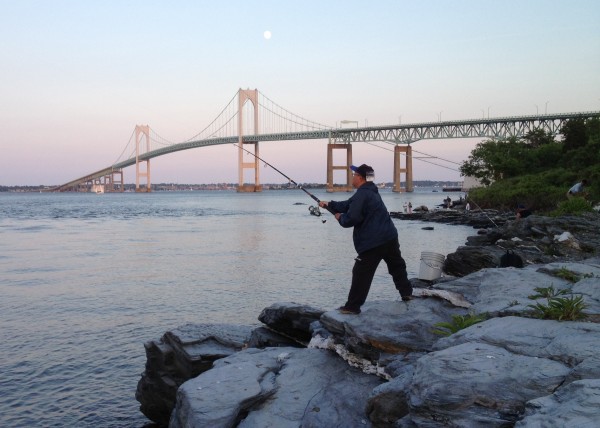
x: 375, y: 238
x: 578, y: 189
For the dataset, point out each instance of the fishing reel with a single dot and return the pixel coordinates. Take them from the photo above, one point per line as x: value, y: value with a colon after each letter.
x: 316, y: 212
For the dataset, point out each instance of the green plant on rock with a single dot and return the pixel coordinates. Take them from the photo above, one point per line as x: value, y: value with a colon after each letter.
x: 546, y: 292
x: 560, y: 308
x: 567, y: 274
x: 459, y: 322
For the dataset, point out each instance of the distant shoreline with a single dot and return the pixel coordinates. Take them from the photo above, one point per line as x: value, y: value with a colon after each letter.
x: 171, y: 187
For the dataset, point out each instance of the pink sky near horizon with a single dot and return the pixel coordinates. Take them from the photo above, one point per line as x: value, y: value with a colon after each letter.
x: 78, y: 76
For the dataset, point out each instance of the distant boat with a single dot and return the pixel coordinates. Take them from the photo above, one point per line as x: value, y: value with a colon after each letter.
x: 452, y: 189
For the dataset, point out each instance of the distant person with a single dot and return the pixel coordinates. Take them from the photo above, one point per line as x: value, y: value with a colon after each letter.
x: 578, y: 189
x: 468, y: 207
x: 410, y: 207
x: 405, y: 207
x: 375, y: 239
x: 523, y: 212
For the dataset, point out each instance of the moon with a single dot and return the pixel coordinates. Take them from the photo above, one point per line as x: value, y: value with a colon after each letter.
x: 267, y: 35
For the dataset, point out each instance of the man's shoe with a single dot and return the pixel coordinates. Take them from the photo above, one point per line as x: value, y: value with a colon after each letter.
x: 407, y: 298
x: 348, y: 311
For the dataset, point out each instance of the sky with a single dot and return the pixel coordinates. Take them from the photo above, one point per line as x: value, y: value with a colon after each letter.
x: 76, y: 77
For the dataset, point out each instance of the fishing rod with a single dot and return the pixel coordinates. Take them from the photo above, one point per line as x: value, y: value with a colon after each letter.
x: 291, y: 181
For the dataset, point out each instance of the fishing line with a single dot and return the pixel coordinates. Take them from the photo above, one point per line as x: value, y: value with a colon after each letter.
x: 475, y: 203
x: 290, y: 180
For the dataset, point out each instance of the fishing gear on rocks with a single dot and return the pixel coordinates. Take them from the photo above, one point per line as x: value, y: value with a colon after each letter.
x: 317, y: 200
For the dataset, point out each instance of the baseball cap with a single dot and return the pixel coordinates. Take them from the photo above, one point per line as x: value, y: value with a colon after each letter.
x: 364, y: 170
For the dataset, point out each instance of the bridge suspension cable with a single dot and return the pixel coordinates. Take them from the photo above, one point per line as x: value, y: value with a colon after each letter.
x: 125, y: 148
x: 287, y: 121
x: 273, y: 119
x: 221, y: 124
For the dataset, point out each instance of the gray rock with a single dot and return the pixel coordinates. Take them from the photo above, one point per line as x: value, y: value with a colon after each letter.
x: 536, y: 239
x: 179, y: 355
x: 389, y: 402
x: 501, y: 292
x: 589, y: 368
x: 475, y: 218
x: 291, y: 319
x: 568, y: 342
x: 282, y: 387
x: 385, y: 327
x: 573, y: 405
x: 469, y: 259
x: 263, y: 337
x: 475, y: 384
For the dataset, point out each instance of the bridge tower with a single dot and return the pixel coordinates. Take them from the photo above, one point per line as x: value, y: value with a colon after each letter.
x: 142, y: 131
x: 331, y: 167
x: 407, y: 170
x: 245, y: 95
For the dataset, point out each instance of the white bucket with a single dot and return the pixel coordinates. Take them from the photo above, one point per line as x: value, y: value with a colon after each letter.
x: 431, y: 265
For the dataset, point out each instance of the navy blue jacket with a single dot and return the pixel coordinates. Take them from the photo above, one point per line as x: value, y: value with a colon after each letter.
x: 366, y: 212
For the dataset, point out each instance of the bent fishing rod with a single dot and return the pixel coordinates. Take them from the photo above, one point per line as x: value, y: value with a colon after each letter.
x: 291, y: 181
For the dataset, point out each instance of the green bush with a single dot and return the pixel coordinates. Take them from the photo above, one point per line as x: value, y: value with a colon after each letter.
x: 573, y: 206
x: 533, y: 191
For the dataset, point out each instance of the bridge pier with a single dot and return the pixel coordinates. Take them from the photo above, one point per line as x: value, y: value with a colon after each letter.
x: 407, y: 170
x: 245, y: 187
x: 142, y: 131
x: 331, y: 167
x: 114, y: 184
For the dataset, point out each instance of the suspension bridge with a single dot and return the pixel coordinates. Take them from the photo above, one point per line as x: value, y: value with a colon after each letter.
x: 250, y: 118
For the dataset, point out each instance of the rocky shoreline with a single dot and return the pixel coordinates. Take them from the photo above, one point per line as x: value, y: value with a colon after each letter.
x: 387, y: 367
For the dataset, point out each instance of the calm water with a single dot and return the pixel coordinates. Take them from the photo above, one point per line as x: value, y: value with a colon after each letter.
x: 86, y: 279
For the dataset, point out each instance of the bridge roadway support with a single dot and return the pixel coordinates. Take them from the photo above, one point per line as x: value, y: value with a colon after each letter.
x: 142, y: 131
x: 331, y: 167
x: 407, y: 170
x: 245, y: 95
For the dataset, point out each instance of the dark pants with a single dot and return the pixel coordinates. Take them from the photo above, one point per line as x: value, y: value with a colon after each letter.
x: 364, y: 269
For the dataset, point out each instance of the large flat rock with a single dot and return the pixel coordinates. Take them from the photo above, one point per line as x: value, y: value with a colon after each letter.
x: 276, y: 387
x: 390, y: 327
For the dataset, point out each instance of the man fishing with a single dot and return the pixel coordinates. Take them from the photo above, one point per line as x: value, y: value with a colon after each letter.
x: 375, y: 238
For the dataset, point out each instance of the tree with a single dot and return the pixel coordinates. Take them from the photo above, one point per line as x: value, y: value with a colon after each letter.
x: 575, y: 134
x: 493, y: 160
x: 536, y: 170
x: 538, y: 138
